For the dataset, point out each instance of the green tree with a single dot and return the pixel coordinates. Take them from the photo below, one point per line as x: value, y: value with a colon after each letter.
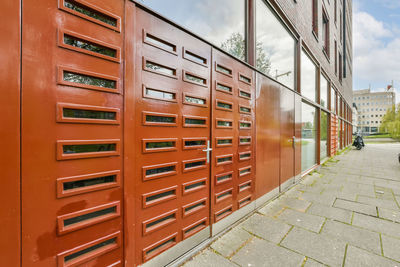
x: 391, y: 122
x: 235, y: 45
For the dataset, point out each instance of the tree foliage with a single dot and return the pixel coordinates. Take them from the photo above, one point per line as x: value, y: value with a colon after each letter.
x: 391, y: 122
x: 235, y: 45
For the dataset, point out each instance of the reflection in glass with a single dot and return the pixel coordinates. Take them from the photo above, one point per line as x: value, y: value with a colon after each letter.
x: 275, y: 46
x: 333, y: 99
x: 87, y: 45
x: 309, y: 136
x: 324, y: 135
x: 222, y: 24
x: 90, y: 12
x: 308, y: 77
x: 88, y: 80
x: 324, y: 91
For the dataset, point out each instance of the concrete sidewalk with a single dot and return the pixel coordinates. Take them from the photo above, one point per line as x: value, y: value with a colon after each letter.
x: 346, y: 214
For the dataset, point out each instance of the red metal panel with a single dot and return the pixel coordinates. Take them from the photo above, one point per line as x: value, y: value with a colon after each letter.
x: 233, y: 118
x: 72, y: 107
x: 10, y: 133
x: 268, y: 135
x: 167, y: 127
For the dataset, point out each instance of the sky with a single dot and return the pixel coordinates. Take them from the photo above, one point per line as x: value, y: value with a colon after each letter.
x: 376, y: 44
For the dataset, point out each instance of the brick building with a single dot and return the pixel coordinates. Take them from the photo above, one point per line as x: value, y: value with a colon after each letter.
x: 138, y: 130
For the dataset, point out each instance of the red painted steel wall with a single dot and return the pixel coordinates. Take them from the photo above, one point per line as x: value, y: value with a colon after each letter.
x: 10, y: 133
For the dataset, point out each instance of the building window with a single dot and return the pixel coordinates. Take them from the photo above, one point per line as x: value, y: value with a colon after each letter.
x: 341, y: 27
x: 340, y: 68
x: 315, y: 17
x: 309, y: 136
x: 335, y: 11
x: 222, y: 24
x: 277, y: 58
x: 325, y: 33
x: 324, y: 87
x: 324, y: 135
x: 336, y: 65
x: 308, y: 77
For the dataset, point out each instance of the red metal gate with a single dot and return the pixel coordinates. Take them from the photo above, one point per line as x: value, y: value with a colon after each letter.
x: 72, y: 107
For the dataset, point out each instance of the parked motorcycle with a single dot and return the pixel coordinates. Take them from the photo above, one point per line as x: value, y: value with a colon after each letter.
x: 359, y: 142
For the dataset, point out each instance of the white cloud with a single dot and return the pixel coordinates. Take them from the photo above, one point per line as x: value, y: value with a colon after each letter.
x: 392, y: 4
x: 376, y: 50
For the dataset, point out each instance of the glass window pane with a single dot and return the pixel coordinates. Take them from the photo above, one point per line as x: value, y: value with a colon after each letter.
x: 324, y: 135
x: 324, y: 91
x: 222, y: 24
x: 308, y: 135
x: 308, y: 77
x: 275, y: 46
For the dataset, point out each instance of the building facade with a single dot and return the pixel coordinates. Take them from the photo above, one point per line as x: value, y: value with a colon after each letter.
x: 138, y: 130
x: 372, y: 107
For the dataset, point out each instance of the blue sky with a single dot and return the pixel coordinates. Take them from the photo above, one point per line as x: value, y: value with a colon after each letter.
x: 376, y: 44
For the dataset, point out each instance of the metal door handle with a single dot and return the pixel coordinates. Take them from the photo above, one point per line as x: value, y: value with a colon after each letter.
x: 208, y: 150
x: 294, y: 142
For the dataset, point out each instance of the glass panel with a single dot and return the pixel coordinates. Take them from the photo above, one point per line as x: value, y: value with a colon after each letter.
x: 324, y: 135
x: 88, y: 114
x: 195, y: 100
x: 332, y: 99
x: 89, y: 182
x: 199, y: 184
x: 89, y: 216
x: 87, y: 45
x: 90, y: 12
x: 73, y: 149
x: 90, y: 249
x: 160, y: 69
x: 308, y: 77
x: 88, y: 80
x: 275, y: 46
x: 223, y: 24
x: 195, y: 164
x: 324, y: 91
x: 308, y: 135
x: 160, y: 170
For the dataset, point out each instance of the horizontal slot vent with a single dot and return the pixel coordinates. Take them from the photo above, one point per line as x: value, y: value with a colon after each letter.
x: 223, y: 70
x: 244, y: 201
x: 194, y: 143
x: 244, y: 78
x: 244, y: 140
x: 224, y: 141
x: 193, y: 121
x: 159, y: 145
x: 223, y: 213
x: 194, y: 207
x: 224, y: 159
x: 244, y: 171
x: 192, y: 165
x: 244, y: 125
x: 89, y: 46
x: 89, y: 251
x: 158, y: 42
x: 72, y: 77
x: 159, y: 119
x: 195, y: 79
x: 87, y: 149
x: 244, y: 110
x: 81, y: 219
x: 194, y: 228
x: 158, y: 68
x: 160, y: 170
x: 223, y: 87
x: 194, y: 186
x: 245, y: 186
x: 245, y: 156
x: 92, y: 13
x: 223, y: 177
x: 74, y: 185
x: 86, y: 114
x: 223, y: 195
x: 159, y: 222
x: 159, y: 196
x: 194, y: 57
x: 223, y: 105
x: 159, y: 247
x: 194, y: 100
x: 244, y: 94
x: 159, y: 94
x: 224, y: 123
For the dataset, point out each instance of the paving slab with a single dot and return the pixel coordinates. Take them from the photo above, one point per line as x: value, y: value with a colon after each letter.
x: 313, y: 263
x: 330, y: 212
x: 356, y: 257
x: 377, y: 225
x: 266, y: 227
x: 208, y: 258
x: 227, y: 244
x: 391, y: 247
x: 318, y: 198
x: 321, y: 248
x: 391, y: 215
x: 304, y: 220
x: 355, y: 206
x: 293, y: 203
x: 383, y: 203
x: 353, y: 235
x: 259, y: 252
